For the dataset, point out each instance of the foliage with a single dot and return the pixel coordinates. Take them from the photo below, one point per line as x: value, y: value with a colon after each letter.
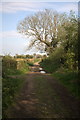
x: 71, y: 43
x: 8, y: 62
x: 53, y: 62
x: 9, y: 66
x: 45, y: 29
x: 67, y: 60
x: 11, y: 85
x: 10, y: 88
x: 67, y: 36
x: 23, y: 56
x: 49, y: 30
x: 70, y: 61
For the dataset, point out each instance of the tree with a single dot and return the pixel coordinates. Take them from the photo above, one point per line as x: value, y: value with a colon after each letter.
x: 42, y: 28
x: 71, y: 42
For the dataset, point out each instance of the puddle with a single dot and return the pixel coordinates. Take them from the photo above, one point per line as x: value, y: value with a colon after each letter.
x: 42, y: 72
x: 40, y: 68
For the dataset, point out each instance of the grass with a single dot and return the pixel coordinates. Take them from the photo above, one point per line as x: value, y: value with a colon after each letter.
x: 11, y: 86
x: 14, y: 71
x: 70, y: 80
x: 0, y: 97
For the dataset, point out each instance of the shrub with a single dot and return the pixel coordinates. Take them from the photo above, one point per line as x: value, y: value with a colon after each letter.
x: 53, y: 62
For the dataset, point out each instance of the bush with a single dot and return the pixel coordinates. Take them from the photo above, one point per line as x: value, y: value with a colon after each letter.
x: 11, y: 85
x: 11, y: 67
x: 53, y: 62
x: 9, y: 62
x: 10, y: 88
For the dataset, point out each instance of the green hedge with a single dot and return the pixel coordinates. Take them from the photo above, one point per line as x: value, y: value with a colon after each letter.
x: 53, y: 62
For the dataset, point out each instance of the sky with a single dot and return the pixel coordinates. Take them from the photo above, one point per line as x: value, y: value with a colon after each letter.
x: 12, y: 12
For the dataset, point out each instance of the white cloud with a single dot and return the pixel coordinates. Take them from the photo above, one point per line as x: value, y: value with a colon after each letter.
x: 13, y: 7
x: 68, y: 7
x: 18, y: 6
x: 9, y: 34
x: 12, y: 42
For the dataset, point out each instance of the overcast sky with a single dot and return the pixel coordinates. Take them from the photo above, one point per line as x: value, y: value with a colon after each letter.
x: 13, y: 12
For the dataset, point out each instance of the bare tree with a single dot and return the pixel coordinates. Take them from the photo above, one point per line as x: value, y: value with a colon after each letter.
x: 42, y: 28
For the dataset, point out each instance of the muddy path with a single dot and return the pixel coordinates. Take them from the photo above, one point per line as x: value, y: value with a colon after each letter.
x: 43, y: 97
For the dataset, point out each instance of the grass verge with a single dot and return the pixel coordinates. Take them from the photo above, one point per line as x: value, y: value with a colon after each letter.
x: 11, y: 86
x: 69, y: 80
x: 14, y: 71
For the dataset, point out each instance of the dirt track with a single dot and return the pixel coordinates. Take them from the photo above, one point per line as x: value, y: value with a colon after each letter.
x: 43, y: 97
